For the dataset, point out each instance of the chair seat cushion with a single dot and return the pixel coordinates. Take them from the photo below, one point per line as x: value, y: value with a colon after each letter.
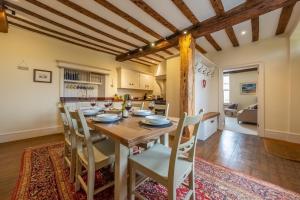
x: 156, y: 159
x: 104, y: 151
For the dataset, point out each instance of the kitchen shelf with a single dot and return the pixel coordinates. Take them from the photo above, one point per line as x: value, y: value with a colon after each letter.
x: 82, y: 82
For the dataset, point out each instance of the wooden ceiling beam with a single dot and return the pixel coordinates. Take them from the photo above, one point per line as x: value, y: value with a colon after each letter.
x: 159, y: 56
x: 59, y: 38
x: 255, y: 29
x: 3, y: 18
x: 219, y: 9
x: 56, y: 12
x: 150, y: 11
x: 200, y: 49
x: 211, y: 40
x: 284, y: 18
x: 168, y: 52
x: 104, y: 21
x: 190, y: 16
x: 127, y: 17
x: 153, y: 59
x: 231, y: 35
x: 61, y: 34
x: 186, y: 11
x: 135, y: 61
x: 237, y: 15
x: 61, y: 25
x: 146, y: 61
x: 93, y: 16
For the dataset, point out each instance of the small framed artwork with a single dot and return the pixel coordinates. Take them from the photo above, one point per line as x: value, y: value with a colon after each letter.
x: 42, y: 76
x: 248, y: 88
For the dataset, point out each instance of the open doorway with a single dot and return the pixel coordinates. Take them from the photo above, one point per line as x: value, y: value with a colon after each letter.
x: 240, y: 100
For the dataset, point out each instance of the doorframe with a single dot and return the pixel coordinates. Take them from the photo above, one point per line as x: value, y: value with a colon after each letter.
x: 260, y: 95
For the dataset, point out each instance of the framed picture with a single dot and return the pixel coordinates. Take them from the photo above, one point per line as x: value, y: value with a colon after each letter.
x: 42, y: 76
x: 248, y: 88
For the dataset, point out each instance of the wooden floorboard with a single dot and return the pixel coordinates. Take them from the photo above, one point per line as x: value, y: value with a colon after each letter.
x: 243, y: 153
x: 246, y: 154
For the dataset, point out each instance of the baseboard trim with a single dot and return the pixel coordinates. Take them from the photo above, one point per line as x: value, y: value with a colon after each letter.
x: 29, y: 133
x: 283, y: 135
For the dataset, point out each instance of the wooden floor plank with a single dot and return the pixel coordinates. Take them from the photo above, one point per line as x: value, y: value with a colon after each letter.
x: 244, y: 153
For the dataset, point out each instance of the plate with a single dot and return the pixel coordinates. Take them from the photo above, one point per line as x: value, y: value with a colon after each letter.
x: 142, y: 112
x: 155, y: 122
x: 89, y: 111
x: 105, y: 120
x: 107, y: 116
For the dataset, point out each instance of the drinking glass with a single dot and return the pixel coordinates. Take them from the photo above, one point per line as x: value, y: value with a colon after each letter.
x: 151, y: 106
x: 128, y: 105
x: 93, y: 102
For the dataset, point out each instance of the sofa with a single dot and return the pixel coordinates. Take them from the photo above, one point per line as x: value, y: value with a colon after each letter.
x: 231, y: 110
x: 248, y: 115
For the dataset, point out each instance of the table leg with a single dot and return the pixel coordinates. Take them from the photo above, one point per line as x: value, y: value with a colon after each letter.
x: 164, y: 139
x: 121, y: 165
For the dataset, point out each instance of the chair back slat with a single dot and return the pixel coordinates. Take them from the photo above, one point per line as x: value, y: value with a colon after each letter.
x: 139, y: 105
x: 81, y: 128
x: 65, y: 122
x: 165, y: 108
x: 187, y: 147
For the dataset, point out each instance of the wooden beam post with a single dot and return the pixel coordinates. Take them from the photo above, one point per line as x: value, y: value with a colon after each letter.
x: 187, y: 79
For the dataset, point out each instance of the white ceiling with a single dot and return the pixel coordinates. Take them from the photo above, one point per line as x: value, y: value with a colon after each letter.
x: 202, y: 9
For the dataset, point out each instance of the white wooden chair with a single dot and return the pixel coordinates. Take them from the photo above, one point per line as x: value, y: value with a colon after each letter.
x: 93, y: 156
x: 70, y: 143
x: 169, y: 167
x: 164, y: 108
x: 70, y: 140
x: 138, y: 105
x: 164, y: 138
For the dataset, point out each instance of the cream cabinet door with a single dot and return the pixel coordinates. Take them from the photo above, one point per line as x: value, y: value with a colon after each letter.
x: 129, y: 79
x: 146, y: 82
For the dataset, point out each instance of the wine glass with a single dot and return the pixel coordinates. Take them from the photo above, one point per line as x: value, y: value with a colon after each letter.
x: 128, y: 105
x: 151, y: 106
x: 93, y: 102
x: 110, y: 103
x: 107, y: 103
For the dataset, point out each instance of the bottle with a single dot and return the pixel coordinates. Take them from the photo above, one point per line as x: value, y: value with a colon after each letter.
x: 124, y: 111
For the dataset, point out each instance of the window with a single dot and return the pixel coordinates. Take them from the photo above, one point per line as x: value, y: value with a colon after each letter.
x: 226, y: 88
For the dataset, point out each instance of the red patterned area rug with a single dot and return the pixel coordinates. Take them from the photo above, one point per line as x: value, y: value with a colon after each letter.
x: 43, y: 176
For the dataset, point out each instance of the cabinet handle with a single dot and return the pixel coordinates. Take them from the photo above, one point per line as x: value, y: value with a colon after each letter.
x: 212, y: 121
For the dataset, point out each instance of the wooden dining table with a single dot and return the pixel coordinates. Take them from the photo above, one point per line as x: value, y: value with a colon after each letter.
x: 127, y: 133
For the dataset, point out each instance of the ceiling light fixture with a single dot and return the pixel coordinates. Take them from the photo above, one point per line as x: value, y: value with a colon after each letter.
x: 243, y: 32
x: 152, y: 44
x: 140, y: 49
x: 185, y: 32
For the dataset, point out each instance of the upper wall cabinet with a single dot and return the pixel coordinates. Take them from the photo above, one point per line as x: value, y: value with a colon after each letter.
x: 129, y: 79
x: 146, y: 82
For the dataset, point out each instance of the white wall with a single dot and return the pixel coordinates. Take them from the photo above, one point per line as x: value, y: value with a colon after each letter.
x: 274, y: 55
x: 295, y: 81
x: 173, y: 85
x: 28, y: 107
x: 205, y: 98
x: 235, y: 81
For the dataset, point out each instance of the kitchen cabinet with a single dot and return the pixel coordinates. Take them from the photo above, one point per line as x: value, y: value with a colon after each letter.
x: 146, y: 82
x: 129, y: 79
